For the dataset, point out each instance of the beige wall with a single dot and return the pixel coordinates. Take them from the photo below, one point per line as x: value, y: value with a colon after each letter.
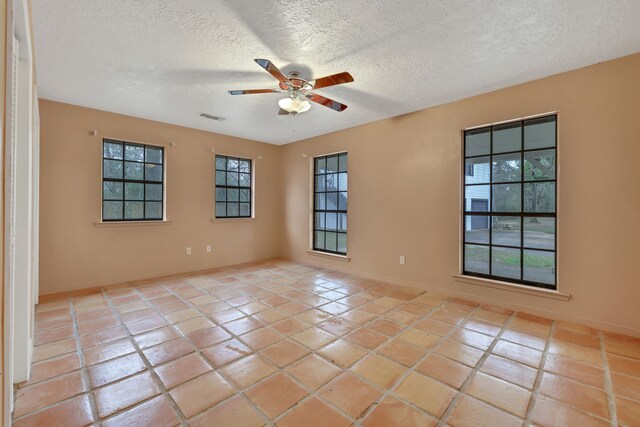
x: 74, y: 253
x: 405, y: 192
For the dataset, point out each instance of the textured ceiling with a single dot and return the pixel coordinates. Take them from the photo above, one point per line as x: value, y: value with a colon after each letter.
x: 170, y: 60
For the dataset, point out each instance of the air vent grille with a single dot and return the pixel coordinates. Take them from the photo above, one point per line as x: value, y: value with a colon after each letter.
x: 211, y: 116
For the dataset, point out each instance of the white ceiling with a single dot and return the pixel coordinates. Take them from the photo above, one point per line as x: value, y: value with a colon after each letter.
x: 170, y: 60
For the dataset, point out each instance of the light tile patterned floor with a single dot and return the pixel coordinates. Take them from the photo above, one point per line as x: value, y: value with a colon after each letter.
x: 285, y: 344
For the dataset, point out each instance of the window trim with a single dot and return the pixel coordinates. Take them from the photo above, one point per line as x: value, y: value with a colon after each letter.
x: 132, y: 221
x: 312, y: 248
x: 483, y: 278
x: 252, y: 191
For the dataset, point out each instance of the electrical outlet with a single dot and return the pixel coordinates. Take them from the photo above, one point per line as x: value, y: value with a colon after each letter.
x: 188, y: 251
x: 209, y: 248
x: 401, y: 260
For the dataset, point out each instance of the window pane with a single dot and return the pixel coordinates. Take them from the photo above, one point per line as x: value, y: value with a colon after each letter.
x: 331, y: 241
x: 153, y: 192
x: 505, y: 230
x: 221, y: 194
x: 320, y: 181
x: 112, y: 210
x: 111, y: 190
x: 332, y: 182
x: 245, y: 209
x: 153, y: 172
x: 112, y: 150
x: 321, y: 201
x: 233, y: 195
x: 342, y: 222
x: 342, y: 201
x: 245, y: 195
x: 505, y: 262
x: 477, y: 198
x: 232, y: 164
x: 154, y: 155
x: 153, y: 210
x: 540, y: 233
x: 342, y: 243
x: 320, y: 221
x: 342, y: 182
x: 321, y: 165
x: 476, y: 259
x: 342, y: 162
x: 332, y: 164
x: 133, y: 210
x: 506, y: 168
x: 133, y: 170
x: 476, y: 229
x: 232, y: 209
x: 134, y: 153
x: 540, y: 197
x: 539, y: 266
x: 221, y: 162
x: 245, y: 166
x: 332, y: 201
x: 319, y: 244
x: 221, y: 210
x: 232, y: 179
x: 245, y: 180
x: 539, y: 165
x: 507, y: 137
x: 507, y: 197
x: 540, y: 133
x: 133, y: 191
x: 331, y: 221
x: 221, y: 178
x: 112, y: 169
x: 477, y: 170
x: 477, y: 142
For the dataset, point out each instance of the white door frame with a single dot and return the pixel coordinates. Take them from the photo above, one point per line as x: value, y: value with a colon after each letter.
x: 21, y: 202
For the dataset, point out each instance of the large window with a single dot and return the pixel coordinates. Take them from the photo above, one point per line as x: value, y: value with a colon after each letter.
x: 330, y: 204
x: 233, y: 187
x: 509, y: 221
x: 132, y: 181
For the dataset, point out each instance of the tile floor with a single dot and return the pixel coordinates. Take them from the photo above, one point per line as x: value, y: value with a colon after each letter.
x: 280, y: 343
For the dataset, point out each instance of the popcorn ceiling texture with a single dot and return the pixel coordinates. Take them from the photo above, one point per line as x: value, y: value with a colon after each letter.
x: 170, y: 60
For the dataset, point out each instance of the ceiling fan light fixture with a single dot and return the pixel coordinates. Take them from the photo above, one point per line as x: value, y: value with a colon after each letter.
x: 294, y: 105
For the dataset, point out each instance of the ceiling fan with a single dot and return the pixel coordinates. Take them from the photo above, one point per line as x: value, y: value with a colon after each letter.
x: 299, y: 90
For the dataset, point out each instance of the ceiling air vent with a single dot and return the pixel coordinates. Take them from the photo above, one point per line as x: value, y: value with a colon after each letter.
x: 210, y: 116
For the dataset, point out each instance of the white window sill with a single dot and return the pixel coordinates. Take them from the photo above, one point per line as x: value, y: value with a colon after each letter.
x: 343, y: 258
x: 107, y: 224
x: 512, y: 287
x: 216, y: 220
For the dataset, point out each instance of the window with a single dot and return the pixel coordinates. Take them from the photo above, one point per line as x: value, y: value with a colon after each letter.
x: 233, y: 187
x: 330, y: 204
x: 132, y: 181
x: 509, y: 224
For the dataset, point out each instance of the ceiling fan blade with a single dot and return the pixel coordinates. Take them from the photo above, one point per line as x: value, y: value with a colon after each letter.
x: 282, y: 112
x: 251, y: 91
x: 334, y: 105
x: 271, y: 69
x: 332, y: 80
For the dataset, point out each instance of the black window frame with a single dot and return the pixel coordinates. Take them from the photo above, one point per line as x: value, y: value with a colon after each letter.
x: 317, y: 210
x: 491, y: 214
x: 236, y: 187
x: 144, y: 181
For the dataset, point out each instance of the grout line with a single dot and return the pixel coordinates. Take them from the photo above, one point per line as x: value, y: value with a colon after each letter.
x: 608, y: 385
x: 536, y: 385
x: 83, y: 367
x: 163, y: 390
x: 462, y: 391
